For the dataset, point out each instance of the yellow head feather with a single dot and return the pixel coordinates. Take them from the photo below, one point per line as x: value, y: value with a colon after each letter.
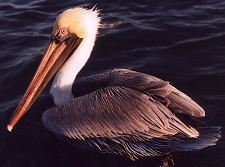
x: 79, y: 21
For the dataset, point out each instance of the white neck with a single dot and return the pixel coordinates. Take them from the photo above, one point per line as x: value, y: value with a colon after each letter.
x: 61, y: 89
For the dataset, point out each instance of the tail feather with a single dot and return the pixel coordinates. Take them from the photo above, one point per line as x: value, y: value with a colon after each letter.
x: 208, y: 137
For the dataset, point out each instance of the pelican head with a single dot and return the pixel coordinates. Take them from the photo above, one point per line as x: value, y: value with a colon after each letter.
x: 79, y: 21
x: 71, y: 27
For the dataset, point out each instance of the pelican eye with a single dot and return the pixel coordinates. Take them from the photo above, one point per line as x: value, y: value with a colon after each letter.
x: 62, y: 35
x: 63, y: 31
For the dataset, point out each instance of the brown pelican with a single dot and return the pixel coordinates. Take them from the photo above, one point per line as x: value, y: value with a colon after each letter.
x: 118, y: 111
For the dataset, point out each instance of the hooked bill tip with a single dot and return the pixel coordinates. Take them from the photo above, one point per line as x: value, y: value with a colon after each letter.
x: 9, y: 128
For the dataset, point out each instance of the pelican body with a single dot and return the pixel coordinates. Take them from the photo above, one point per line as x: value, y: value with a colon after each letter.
x: 118, y: 111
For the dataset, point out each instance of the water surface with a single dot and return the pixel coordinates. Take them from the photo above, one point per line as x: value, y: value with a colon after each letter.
x: 183, y: 42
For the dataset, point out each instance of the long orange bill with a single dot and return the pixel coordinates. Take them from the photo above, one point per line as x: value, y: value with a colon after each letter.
x: 54, y: 57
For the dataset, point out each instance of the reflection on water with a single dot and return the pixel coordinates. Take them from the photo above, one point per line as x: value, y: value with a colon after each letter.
x: 183, y: 42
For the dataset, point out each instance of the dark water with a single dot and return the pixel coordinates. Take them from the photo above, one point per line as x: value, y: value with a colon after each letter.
x: 179, y: 41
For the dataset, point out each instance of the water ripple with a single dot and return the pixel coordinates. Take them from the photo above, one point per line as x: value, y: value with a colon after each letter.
x: 179, y: 41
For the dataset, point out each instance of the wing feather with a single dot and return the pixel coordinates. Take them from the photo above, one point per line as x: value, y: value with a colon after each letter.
x: 161, y: 90
x: 128, y: 113
x: 114, y: 112
x: 158, y: 89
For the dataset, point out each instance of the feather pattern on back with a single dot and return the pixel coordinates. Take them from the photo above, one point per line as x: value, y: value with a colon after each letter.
x: 128, y: 109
